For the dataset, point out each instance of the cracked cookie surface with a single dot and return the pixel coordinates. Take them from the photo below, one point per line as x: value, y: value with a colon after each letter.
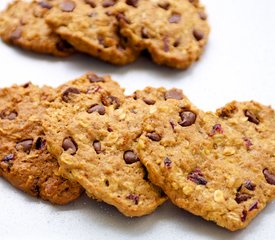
x: 24, y: 159
x: 23, y: 24
x: 203, y: 164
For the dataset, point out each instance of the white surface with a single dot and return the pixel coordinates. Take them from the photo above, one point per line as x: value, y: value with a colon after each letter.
x: 237, y: 64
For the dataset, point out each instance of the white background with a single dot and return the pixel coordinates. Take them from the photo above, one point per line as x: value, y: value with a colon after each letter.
x: 238, y: 64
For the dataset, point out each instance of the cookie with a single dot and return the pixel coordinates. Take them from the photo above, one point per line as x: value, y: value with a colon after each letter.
x: 173, y: 31
x: 254, y: 120
x: 203, y: 164
x: 99, y: 148
x: 23, y: 24
x: 89, y: 26
x: 24, y: 159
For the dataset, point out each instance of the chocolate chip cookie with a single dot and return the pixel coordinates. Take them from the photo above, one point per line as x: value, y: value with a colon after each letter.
x: 91, y: 28
x: 24, y: 159
x: 23, y: 24
x: 98, y: 146
x: 202, y: 164
x: 173, y: 31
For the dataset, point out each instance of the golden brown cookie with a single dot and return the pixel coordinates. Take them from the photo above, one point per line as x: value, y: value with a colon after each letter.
x: 24, y: 159
x: 98, y: 146
x: 173, y: 31
x: 23, y: 24
x: 89, y: 26
x: 203, y: 164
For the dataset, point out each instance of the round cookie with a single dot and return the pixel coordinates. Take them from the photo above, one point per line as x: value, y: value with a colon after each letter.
x: 89, y: 26
x: 97, y: 148
x: 24, y: 159
x: 173, y: 31
x: 23, y: 24
x: 202, y: 164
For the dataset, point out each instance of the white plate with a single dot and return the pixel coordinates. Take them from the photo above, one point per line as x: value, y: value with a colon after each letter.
x: 238, y: 64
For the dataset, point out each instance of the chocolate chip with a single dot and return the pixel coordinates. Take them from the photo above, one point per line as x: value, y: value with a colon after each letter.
x: 93, y: 78
x: 69, y: 144
x: 45, y: 4
x: 198, y: 35
x: 144, y: 33
x: 67, y: 6
x: 10, y: 116
x: 133, y: 197
x: 164, y: 5
x: 25, y: 145
x: 253, y: 206
x: 130, y: 157
x: 177, y: 42
x: 187, y: 118
x: 165, y: 44
x: 202, y: 15
x: 132, y: 2
x: 40, y: 143
x: 244, y: 215
x: 174, y: 18
x: 35, y: 187
x: 110, y: 100
x: 26, y: 85
x: 251, y: 117
x: 154, y: 136
x: 197, y: 177
x: 121, y: 17
x: 108, y: 3
x: 67, y: 92
x: 247, y: 142
x: 97, y: 147
x: 174, y: 94
x: 8, y: 158
x: 91, y: 3
x: 270, y: 178
x: 97, y: 108
x: 242, y: 197
x: 167, y: 162
x: 249, y: 185
x: 107, y: 183
x: 149, y: 101
x: 217, y: 128
x: 63, y: 46
x: 16, y: 34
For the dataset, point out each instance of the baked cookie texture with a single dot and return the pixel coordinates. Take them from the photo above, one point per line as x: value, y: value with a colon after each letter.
x: 97, y: 146
x: 23, y: 24
x: 202, y: 164
x: 91, y: 28
x: 255, y: 121
x: 24, y: 159
x: 173, y: 31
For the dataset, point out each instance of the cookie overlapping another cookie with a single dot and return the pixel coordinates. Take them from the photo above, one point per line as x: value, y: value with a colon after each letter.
x: 93, y: 131
x: 23, y: 24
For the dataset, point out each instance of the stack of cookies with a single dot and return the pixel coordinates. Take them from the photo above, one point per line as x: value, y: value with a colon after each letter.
x: 174, y: 32
x: 134, y: 152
